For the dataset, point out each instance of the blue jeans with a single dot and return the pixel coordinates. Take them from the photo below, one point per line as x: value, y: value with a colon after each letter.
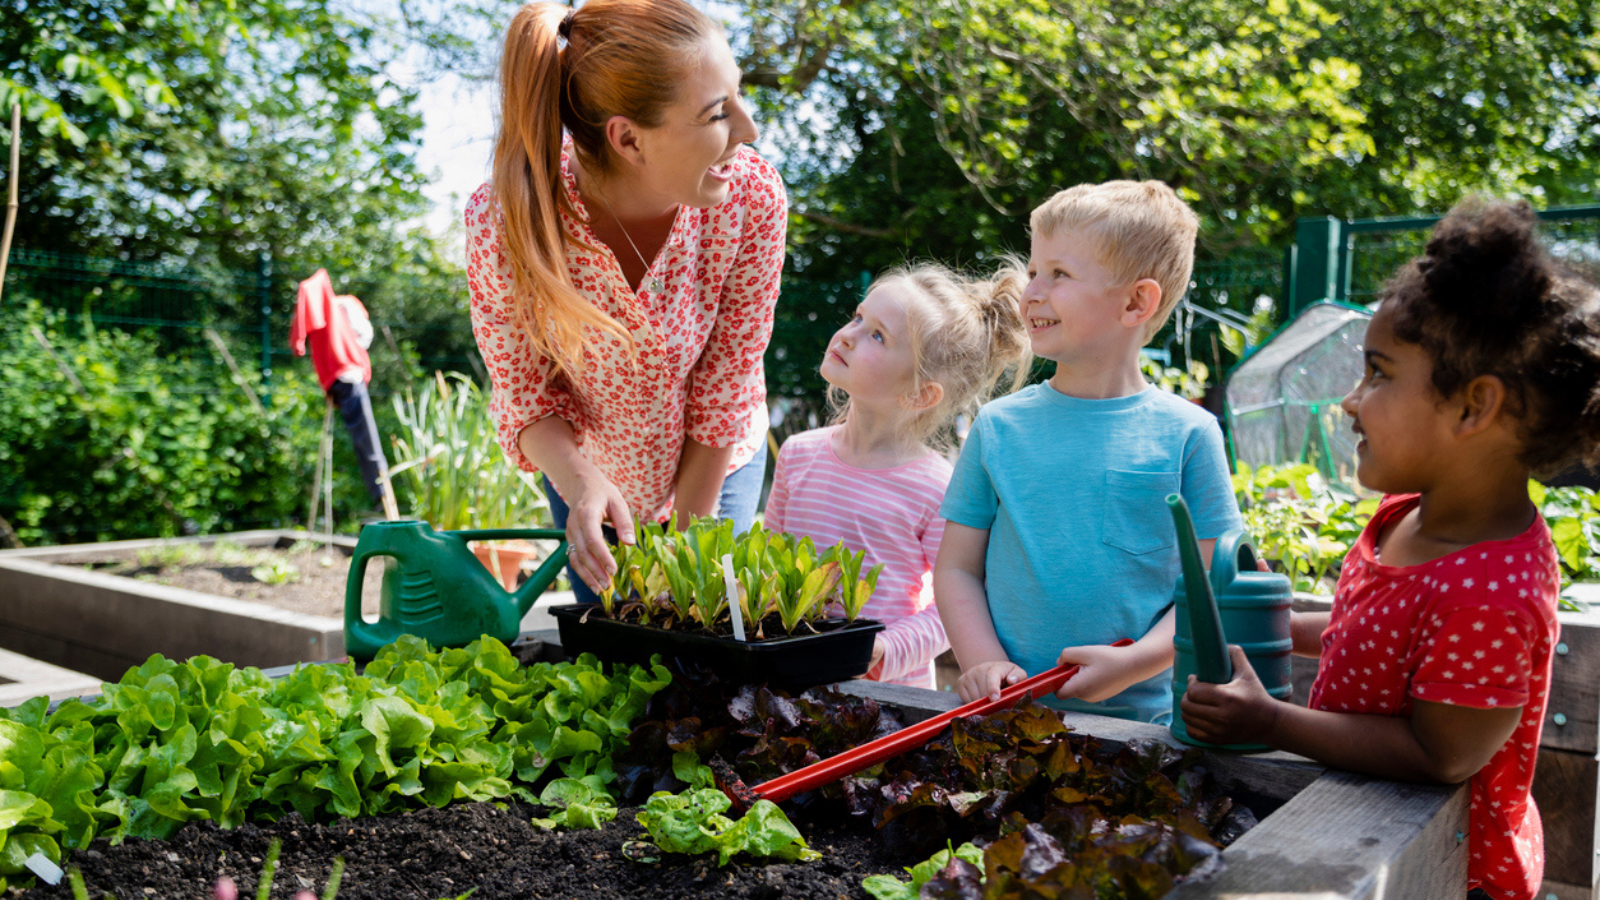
x: 741, y: 491
x: 355, y: 408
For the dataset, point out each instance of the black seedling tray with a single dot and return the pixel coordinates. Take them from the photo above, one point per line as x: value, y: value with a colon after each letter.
x: 835, y: 655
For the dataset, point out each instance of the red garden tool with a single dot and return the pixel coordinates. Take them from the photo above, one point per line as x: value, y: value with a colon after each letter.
x: 873, y: 752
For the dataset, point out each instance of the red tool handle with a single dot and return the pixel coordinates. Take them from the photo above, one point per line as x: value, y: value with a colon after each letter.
x: 873, y: 752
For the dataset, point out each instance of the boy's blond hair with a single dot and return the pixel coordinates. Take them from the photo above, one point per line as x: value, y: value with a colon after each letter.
x: 1141, y: 228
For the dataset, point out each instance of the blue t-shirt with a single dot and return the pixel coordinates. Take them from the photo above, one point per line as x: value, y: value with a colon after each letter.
x: 1082, y: 549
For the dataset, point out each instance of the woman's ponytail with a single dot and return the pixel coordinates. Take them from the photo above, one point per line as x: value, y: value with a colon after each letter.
x: 621, y: 57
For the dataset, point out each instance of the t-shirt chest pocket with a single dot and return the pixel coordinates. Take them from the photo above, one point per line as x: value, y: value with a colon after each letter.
x: 1135, y: 518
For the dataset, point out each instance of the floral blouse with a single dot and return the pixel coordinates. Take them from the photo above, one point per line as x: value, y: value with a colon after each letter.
x: 701, y: 320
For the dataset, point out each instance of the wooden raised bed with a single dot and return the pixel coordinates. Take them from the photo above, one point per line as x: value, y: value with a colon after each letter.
x: 1336, y: 835
x: 53, y: 610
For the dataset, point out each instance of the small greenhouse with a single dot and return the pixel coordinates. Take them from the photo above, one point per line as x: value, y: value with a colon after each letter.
x: 1283, y: 398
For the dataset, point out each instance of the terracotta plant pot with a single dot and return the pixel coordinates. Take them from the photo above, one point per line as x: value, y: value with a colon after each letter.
x: 839, y: 653
x: 508, y: 556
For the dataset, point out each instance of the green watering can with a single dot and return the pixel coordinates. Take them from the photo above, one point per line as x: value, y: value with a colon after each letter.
x: 1235, y: 605
x: 439, y: 591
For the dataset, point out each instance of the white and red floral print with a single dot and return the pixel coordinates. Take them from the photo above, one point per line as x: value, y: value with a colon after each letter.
x: 696, y: 370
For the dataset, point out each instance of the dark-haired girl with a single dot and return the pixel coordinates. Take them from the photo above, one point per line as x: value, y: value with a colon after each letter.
x: 1482, y: 368
x: 624, y: 263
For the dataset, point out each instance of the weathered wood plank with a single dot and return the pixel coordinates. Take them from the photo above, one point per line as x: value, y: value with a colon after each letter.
x: 1572, y: 717
x: 1565, y: 786
x: 1556, y: 890
x: 1350, y: 837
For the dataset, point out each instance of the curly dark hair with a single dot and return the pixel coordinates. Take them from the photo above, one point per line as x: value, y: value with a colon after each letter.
x: 1487, y: 298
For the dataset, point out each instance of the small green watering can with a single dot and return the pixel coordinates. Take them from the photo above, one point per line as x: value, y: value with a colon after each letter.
x: 439, y: 591
x: 1235, y: 605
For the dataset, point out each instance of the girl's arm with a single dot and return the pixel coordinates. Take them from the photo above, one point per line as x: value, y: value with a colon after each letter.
x: 1440, y: 742
x: 909, y: 643
x: 958, y: 590
x: 550, y: 445
x: 701, y: 471
x: 1305, y: 629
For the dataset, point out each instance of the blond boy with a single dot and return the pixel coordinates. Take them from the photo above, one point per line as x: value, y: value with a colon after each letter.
x: 1059, y: 541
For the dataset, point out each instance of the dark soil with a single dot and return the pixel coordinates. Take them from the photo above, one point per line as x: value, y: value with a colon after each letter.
x: 432, y: 854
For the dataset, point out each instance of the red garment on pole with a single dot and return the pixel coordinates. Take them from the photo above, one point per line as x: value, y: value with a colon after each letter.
x: 335, y: 349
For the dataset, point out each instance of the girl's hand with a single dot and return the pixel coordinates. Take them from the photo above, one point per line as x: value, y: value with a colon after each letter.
x: 596, y: 502
x: 877, y: 659
x: 1103, y: 673
x: 1240, y: 711
x: 988, y: 679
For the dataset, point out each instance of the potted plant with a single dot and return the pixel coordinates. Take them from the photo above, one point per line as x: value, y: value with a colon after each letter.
x: 762, y: 606
x: 454, y: 475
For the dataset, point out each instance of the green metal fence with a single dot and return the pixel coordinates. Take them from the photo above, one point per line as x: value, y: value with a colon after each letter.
x: 249, y: 310
x: 1348, y: 260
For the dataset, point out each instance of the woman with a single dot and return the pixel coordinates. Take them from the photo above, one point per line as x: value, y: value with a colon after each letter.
x: 623, y: 277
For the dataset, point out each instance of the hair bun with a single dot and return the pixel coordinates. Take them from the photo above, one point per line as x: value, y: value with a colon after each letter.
x: 1484, y: 263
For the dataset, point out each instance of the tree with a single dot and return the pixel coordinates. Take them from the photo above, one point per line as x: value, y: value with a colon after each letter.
x: 212, y: 133
x: 1256, y: 113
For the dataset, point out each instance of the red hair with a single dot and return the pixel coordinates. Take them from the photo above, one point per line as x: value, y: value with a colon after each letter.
x: 621, y: 58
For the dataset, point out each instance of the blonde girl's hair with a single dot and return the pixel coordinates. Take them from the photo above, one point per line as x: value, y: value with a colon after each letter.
x: 574, y: 69
x: 966, y: 335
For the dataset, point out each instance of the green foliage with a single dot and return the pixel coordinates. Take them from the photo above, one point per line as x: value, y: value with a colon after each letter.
x: 449, y: 469
x: 888, y: 887
x: 175, y: 742
x: 214, y: 132
x: 676, y: 578
x: 1299, y: 522
x: 1189, y: 382
x: 1573, y: 514
x: 896, y: 117
x: 693, y: 823
x: 275, y: 571
x: 150, y: 448
x: 1305, y: 527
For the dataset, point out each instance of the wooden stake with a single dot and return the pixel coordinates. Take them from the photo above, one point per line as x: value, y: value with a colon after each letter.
x: 11, y: 205
x: 60, y: 363
x: 238, y: 377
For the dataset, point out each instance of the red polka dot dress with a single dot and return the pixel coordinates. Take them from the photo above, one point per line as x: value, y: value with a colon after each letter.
x: 1474, y: 628
x: 700, y: 321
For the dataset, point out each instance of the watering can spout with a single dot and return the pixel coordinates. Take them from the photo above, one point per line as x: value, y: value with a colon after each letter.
x: 1205, y: 623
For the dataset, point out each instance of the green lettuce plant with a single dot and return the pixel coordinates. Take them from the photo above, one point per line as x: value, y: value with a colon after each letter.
x: 674, y: 578
x: 174, y: 742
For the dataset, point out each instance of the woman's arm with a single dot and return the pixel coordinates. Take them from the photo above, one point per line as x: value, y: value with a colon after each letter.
x: 550, y: 445
x: 701, y: 471
x: 1440, y: 742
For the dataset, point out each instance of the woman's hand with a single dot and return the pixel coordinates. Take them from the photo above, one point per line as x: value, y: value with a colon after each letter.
x: 595, y: 503
x: 1240, y: 711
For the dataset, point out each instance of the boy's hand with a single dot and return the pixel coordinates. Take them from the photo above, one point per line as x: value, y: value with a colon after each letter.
x: 1240, y: 711
x: 1104, y: 672
x: 988, y: 679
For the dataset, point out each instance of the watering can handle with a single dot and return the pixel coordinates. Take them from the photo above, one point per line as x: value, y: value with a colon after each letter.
x: 507, y: 534
x: 1234, y: 553
x: 352, y: 590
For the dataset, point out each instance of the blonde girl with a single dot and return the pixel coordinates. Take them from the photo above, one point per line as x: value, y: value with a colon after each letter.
x: 623, y: 265
x: 924, y: 346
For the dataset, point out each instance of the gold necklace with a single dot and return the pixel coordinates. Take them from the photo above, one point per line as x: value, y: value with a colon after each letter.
x: 654, y: 284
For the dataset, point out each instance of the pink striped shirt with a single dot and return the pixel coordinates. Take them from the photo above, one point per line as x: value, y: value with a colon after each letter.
x: 893, y: 515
